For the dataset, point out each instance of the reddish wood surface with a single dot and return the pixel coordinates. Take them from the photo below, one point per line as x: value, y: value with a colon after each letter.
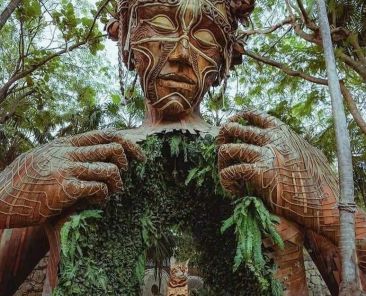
x: 327, y: 259
x: 20, y: 251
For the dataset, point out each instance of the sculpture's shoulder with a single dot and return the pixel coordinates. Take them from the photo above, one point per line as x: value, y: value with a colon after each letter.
x: 135, y: 135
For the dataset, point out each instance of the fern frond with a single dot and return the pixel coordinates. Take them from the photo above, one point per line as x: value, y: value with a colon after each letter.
x: 251, y: 222
x: 175, y: 143
x: 65, y: 246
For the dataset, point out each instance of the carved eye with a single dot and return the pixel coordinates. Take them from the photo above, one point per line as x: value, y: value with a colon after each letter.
x: 162, y: 22
x: 206, y: 38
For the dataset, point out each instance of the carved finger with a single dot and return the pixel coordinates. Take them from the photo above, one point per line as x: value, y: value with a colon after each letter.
x: 257, y: 118
x: 101, y: 153
x: 233, y: 131
x: 106, y: 137
x: 90, y: 138
x: 95, y: 192
x: 132, y: 150
x: 107, y: 173
x: 233, y: 178
x: 231, y: 154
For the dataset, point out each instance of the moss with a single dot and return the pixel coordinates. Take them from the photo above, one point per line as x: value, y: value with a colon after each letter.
x: 178, y: 186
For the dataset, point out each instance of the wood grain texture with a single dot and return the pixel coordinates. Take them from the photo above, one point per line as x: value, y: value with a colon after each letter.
x: 20, y: 251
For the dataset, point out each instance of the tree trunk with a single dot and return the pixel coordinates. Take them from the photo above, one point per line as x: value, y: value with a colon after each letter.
x: 4, y: 16
x: 347, y: 205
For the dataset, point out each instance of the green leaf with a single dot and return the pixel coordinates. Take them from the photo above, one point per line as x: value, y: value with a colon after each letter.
x: 116, y: 99
x: 252, y: 222
x: 227, y: 224
x: 191, y: 175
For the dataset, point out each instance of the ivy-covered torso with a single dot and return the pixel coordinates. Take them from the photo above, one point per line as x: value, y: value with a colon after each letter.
x: 174, y: 195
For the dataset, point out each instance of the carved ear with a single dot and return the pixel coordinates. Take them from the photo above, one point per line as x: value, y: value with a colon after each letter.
x: 241, y: 9
x: 172, y: 261
x: 238, y: 51
x: 112, y: 28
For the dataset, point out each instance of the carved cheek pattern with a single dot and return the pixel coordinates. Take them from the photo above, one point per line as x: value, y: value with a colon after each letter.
x: 207, y: 68
x: 151, y: 56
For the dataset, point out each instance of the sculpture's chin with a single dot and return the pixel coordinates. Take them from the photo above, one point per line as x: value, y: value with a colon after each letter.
x: 173, y: 109
x: 173, y: 106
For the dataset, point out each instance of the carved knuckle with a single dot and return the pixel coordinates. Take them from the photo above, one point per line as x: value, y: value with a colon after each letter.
x: 114, y: 169
x: 117, y: 148
x: 70, y: 188
x: 111, y: 133
x: 223, y: 149
x: 225, y: 128
x: 73, y: 155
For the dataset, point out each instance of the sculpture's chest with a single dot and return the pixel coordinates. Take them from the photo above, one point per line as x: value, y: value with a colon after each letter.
x: 178, y: 291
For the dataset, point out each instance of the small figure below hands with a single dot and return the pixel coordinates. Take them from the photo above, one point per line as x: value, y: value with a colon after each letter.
x: 46, y: 181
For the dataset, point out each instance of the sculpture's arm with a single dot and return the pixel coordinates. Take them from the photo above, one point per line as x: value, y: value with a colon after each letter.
x: 292, y: 177
x: 45, y: 181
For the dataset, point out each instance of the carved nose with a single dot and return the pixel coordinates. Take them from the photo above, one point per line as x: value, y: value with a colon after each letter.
x: 180, y: 54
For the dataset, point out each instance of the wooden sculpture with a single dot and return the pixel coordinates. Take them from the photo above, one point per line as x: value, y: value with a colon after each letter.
x: 178, y: 281
x: 44, y: 182
x: 179, y: 49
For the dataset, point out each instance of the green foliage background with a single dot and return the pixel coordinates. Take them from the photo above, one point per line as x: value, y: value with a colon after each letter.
x: 167, y: 195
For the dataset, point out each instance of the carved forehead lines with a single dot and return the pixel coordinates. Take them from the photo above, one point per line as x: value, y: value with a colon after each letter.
x: 190, y: 10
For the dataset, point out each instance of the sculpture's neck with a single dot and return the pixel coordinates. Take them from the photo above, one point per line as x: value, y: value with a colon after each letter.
x: 154, y: 117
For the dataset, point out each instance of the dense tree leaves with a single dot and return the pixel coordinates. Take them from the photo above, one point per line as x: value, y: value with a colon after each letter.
x: 52, y: 59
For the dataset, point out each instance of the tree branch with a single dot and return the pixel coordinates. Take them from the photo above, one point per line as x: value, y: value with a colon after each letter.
x: 307, y: 21
x: 355, y: 65
x: 5, y: 15
x: 96, y: 17
x: 351, y: 105
x: 285, y: 68
x: 338, y: 34
x: 16, y: 76
x: 358, y: 50
x: 313, y: 38
x: 271, y: 29
x: 19, y: 75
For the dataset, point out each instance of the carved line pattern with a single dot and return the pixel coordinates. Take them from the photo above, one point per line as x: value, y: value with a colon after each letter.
x: 292, y: 176
x: 43, y: 182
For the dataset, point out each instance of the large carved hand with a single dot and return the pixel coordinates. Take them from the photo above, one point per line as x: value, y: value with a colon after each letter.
x: 292, y: 176
x: 45, y: 181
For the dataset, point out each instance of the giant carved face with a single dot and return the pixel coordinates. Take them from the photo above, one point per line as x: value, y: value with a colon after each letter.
x: 179, y: 49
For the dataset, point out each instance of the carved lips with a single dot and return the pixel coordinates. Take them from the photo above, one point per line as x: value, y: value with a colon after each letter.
x: 177, y: 78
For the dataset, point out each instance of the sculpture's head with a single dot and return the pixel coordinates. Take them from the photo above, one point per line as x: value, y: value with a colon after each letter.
x: 179, y: 49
